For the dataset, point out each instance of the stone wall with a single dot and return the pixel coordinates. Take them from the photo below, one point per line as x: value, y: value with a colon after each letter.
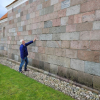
x: 68, y: 37
x: 3, y: 38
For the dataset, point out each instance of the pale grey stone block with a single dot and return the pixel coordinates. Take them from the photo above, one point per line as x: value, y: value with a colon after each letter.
x: 53, y: 44
x: 47, y: 24
x: 20, y: 29
x: 45, y: 37
x: 77, y: 64
x: 54, y: 2
x: 69, y: 36
x: 65, y: 4
x: 64, y: 20
x: 34, y: 49
x: 16, y: 57
x: 92, y: 68
x: 28, y: 16
x: 39, y: 7
x: 73, y: 10
x: 96, y: 25
x: 30, y: 1
x: 61, y: 29
x: 56, y: 37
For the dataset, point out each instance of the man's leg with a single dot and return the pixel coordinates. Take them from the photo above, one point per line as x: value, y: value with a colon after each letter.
x: 26, y: 63
x: 21, y: 64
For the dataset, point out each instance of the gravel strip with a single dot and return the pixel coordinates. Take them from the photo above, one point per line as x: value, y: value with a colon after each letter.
x: 65, y: 87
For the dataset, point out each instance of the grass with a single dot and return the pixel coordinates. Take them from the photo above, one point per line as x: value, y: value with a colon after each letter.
x: 16, y: 86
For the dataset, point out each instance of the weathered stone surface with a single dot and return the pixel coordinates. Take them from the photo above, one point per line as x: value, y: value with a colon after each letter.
x: 50, y: 51
x: 54, y: 44
x: 96, y: 25
x: 46, y: 66
x: 92, y: 68
x: 34, y: 49
x: 90, y: 6
x: 96, y: 82
x: 54, y: 2
x: 30, y: 1
x: 28, y: 16
x: 65, y: 4
x: 65, y: 44
x: 64, y: 20
x: 76, y: 2
x: 53, y: 69
x: 56, y: 37
x: 84, y: 26
x: 73, y: 10
x: 85, y: 79
x: 88, y: 55
x: 1, y: 47
x: 20, y: 29
x: 95, y: 45
x: 61, y: 29
x: 47, y: 24
x: 69, y: 36
x: 39, y: 7
x: 79, y: 45
x: 57, y: 22
x: 41, y: 65
x: 70, y: 28
x: 62, y: 71
x: 45, y: 37
x: 88, y: 16
x: 71, y: 53
x: 77, y: 64
x: 90, y: 35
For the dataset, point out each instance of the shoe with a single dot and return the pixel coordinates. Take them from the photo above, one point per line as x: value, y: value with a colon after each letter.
x: 27, y: 70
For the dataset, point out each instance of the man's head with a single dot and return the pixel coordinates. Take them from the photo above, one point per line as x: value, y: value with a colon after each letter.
x: 22, y: 41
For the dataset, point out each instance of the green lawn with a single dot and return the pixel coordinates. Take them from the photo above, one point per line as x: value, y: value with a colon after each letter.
x: 16, y: 86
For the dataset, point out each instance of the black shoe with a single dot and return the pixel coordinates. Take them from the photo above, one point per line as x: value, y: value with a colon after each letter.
x: 27, y: 70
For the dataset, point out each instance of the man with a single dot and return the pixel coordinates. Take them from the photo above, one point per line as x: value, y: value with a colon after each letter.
x: 24, y: 54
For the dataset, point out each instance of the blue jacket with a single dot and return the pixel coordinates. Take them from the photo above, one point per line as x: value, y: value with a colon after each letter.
x: 23, y: 50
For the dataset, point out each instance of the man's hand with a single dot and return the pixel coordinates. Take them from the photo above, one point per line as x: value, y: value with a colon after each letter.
x: 34, y: 40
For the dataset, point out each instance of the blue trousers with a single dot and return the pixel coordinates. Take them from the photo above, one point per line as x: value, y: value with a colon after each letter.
x: 22, y: 63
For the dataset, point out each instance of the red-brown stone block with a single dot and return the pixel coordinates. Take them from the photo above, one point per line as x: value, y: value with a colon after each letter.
x: 70, y: 28
x: 57, y: 22
x: 89, y: 55
x: 95, y: 45
x: 79, y: 45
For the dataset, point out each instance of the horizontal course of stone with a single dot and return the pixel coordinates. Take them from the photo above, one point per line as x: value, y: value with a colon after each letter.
x: 67, y: 33
x: 69, y: 88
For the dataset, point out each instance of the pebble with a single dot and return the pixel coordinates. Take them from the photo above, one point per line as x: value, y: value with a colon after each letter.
x: 65, y: 87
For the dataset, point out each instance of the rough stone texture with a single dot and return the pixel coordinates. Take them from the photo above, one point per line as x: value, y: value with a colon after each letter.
x: 53, y: 69
x: 71, y: 53
x: 64, y: 20
x: 54, y: 2
x: 47, y: 24
x: 88, y: 55
x: 73, y: 10
x: 80, y: 45
x: 77, y: 64
x: 65, y: 4
x: 96, y: 81
x: 96, y: 25
x: 69, y: 36
x: 89, y: 68
x: 84, y: 26
x: 45, y: 37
